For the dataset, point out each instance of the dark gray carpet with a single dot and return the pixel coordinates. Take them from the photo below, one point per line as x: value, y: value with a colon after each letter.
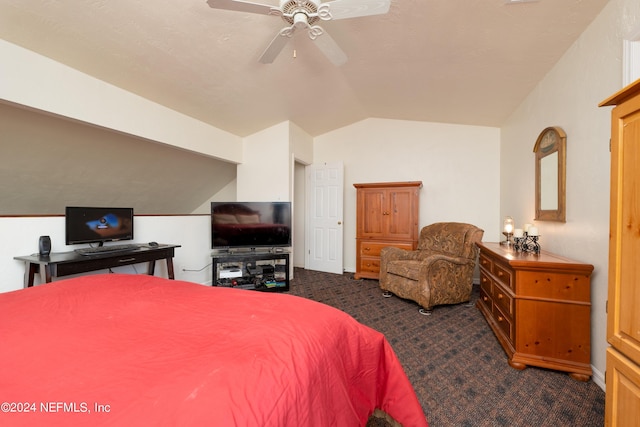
x: 456, y: 365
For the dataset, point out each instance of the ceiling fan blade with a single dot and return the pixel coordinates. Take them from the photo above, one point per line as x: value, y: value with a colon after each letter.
x: 274, y: 48
x: 243, y: 6
x: 331, y: 50
x: 343, y: 9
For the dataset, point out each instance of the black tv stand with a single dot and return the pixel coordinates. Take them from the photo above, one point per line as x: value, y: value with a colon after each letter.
x: 260, y: 271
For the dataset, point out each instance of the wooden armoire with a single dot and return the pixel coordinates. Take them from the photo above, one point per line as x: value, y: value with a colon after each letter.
x: 622, y: 406
x: 386, y: 215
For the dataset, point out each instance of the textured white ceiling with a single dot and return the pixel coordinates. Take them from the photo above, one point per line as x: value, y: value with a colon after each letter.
x: 455, y: 61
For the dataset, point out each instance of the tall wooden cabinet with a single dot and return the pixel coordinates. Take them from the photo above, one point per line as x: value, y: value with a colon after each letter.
x: 623, y: 307
x: 386, y: 215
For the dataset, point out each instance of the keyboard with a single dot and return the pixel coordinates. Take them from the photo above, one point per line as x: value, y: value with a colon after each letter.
x: 107, y: 249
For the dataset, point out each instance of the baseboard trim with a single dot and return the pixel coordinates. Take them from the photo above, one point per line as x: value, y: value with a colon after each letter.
x: 598, y: 378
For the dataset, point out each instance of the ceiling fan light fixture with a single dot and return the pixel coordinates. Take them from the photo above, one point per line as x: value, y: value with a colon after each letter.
x: 300, y: 20
x: 303, y: 14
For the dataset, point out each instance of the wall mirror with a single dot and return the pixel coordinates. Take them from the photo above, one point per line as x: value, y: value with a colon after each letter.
x: 550, y: 151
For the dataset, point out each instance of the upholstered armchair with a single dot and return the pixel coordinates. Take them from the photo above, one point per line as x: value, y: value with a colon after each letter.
x: 439, y: 272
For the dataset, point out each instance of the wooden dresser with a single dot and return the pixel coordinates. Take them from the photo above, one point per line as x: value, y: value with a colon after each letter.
x: 386, y: 215
x: 622, y: 406
x: 539, y: 307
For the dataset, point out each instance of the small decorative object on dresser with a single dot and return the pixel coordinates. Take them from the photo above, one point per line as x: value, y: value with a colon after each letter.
x: 386, y: 215
x: 539, y: 307
x: 507, y: 230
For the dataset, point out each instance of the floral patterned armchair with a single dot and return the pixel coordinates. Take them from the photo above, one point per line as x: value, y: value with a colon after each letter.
x: 439, y: 272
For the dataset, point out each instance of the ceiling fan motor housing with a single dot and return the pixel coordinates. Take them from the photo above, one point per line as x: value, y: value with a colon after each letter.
x: 291, y: 8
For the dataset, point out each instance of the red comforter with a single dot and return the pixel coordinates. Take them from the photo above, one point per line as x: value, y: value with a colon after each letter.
x: 133, y: 350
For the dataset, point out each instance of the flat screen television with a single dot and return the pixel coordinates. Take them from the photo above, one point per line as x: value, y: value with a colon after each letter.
x: 97, y: 225
x: 250, y: 224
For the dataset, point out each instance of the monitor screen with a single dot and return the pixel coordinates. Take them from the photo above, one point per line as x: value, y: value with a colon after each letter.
x: 250, y: 224
x: 97, y: 225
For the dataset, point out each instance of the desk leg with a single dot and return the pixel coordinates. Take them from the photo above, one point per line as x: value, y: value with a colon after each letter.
x: 170, y: 268
x: 45, y: 273
x: 29, y: 274
x: 152, y: 268
x: 32, y: 269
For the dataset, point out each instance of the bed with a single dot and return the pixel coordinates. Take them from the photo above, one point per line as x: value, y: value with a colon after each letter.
x: 117, y: 349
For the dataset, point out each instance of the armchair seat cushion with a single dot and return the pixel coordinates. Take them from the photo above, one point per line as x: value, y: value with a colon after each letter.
x: 440, y: 271
x: 405, y: 268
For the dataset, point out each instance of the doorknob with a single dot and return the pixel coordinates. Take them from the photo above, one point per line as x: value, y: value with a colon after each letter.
x: 339, y: 222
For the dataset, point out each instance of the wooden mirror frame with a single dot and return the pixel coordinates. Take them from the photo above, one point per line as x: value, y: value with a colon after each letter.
x: 551, y: 140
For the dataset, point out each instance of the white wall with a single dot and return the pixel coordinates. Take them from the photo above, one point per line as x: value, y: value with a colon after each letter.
x: 568, y: 97
x: 35, y: 81
x: 191, y: 232
x: 264, y: 174
x: 458, y: 166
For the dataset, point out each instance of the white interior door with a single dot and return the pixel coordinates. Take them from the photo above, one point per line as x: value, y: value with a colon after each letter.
x: 325, y: 188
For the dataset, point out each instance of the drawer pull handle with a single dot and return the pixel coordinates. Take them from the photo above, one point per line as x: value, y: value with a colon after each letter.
x: 367, y: 249
x: 500, y: 274
x: 485, y: 299
x: 484, y: 280
x: 500, y: 296
x: 126, y: 260
x: 500, y: 318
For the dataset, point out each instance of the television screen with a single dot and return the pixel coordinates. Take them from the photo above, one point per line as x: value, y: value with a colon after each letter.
x: 250, y: 224
x: 97, y: 225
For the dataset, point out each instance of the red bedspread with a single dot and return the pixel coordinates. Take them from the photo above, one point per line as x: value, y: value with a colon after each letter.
x: 133, y: 350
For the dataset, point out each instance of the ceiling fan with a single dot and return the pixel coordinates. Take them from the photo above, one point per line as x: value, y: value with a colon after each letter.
x: 304, y: 14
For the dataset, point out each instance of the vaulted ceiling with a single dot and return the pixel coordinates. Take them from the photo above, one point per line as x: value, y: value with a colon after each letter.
x: 455, y: 61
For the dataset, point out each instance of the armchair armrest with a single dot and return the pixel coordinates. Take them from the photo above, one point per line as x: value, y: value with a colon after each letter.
x: 447, y: 258
x: 391, y: 253
x: 448, y: 278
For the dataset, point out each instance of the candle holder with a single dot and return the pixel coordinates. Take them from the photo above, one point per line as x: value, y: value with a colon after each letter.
x: 507, y: 226
x: 527, y: 243
x: 507, y: 242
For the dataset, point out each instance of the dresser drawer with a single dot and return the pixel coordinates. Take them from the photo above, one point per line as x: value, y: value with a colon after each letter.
x: 504, y: 323
x: 485, y: 282
x: 370, y: 265
x: 485, y: 262
x: 503, y: 275
x: 485, y: 300
x: 504, y: 301
x: 555, y: 286
x: 373, y: 248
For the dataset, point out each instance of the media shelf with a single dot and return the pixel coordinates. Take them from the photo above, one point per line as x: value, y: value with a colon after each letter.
x: 260, y: 271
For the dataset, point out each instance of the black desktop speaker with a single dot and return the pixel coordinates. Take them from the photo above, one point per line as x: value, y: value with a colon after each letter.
x: 44, y: 245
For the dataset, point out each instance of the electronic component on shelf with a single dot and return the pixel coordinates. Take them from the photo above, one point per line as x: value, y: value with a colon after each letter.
x: 254, y: 269
x: 229, y: 273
